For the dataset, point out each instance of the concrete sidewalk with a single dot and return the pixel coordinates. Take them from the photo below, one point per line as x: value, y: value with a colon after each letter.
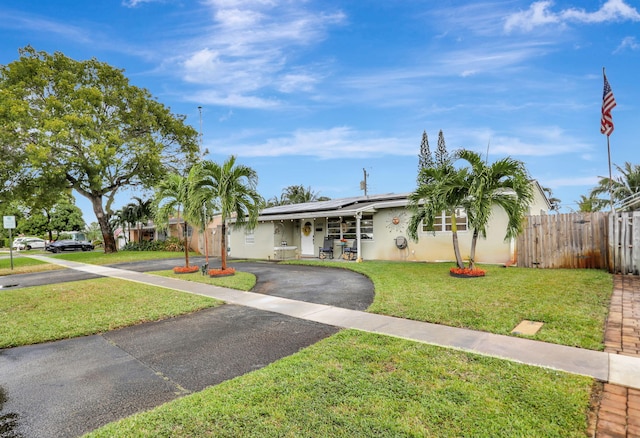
x: 607, y: 367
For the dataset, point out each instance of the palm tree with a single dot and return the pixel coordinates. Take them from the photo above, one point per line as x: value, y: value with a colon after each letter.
x: 442, y: 188
x: 141, y: 211
x: 623, y: 187
x: 505, y: 184
x: 123, y: 218
x: 172, y: 197
x: 233, y: 188
x: 589, y: 204
x: 299, y: 194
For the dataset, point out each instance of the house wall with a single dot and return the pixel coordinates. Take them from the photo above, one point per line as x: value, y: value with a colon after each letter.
x: 430, y: 247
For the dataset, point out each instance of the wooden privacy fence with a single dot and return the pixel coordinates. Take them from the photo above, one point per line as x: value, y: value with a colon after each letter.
x: 574, y: 240
x: 582, y: 240
x: 624, y: 242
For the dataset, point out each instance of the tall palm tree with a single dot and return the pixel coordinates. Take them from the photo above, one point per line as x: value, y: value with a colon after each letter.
x: 623, y: 187
x: 505, y: 183
x: 233, y: 187
x: 172, y: 198
x: 442, y: 188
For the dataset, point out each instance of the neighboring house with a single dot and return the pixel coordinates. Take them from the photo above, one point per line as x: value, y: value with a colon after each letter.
x: 377, y: 224
x: 195, y: 236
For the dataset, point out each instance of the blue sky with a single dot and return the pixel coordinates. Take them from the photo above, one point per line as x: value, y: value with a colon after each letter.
x: 312, y: 92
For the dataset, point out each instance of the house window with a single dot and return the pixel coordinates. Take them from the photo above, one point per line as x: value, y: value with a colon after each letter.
x: 347, y: 226
x: 249, y: 237
x: 443, y: 222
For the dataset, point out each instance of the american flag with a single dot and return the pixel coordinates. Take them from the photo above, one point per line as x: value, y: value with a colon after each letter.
x: 608, y: 103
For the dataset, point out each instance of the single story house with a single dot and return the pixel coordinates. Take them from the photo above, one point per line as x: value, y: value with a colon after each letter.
x: 375, y: 227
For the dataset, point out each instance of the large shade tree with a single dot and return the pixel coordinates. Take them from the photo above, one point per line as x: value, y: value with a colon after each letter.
x: 82, y: 125
x: 233, y: 189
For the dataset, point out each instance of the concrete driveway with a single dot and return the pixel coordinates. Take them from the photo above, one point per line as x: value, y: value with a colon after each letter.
x: 70, y: 387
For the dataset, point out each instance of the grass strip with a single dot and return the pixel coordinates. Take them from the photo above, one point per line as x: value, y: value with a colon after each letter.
x: 357, y: 384
x: 24, y: 265
x: 572, y: 303
x: 47, y: 313
x: 240, y: 280
x: 100, y: 258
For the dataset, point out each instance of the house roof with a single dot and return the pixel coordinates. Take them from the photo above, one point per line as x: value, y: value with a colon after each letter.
x: 334, y: 207
x: 346, y: 206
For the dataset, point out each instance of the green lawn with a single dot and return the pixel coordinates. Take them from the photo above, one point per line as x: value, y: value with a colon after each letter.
x: 24, y: 265
x: 58, y: 311
x: 240, y: 281
x: 572, y: 303
x: 358, y: 384
x: 100, y: 258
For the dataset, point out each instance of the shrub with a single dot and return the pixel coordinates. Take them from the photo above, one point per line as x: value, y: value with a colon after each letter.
x: 171, y: 244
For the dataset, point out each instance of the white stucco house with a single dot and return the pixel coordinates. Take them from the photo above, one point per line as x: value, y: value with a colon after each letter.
x: 375, y: 226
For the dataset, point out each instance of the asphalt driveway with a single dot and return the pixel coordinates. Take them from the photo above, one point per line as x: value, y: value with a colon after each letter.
x: 70, y: 387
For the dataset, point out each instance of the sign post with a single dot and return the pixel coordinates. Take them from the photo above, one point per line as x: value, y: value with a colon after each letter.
x: 9, y: 223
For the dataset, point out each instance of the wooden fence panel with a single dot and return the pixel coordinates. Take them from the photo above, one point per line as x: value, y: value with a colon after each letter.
x: 624, y: 242
x: 573, y: 240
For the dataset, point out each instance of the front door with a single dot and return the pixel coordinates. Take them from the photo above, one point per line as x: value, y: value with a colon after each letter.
x: 306, y: 238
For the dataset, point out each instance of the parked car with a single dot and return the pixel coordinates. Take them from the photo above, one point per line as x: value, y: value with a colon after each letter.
x: 69, y: 245
x: 18, y: 240
x: 30, y: 243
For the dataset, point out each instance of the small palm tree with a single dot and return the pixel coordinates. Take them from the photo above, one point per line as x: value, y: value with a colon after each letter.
x: 505, y: 184
x: 442, y: 188
x: 142, y: 211
x: 172, y: 198
x: 623, y: 187
x: 233, y: 189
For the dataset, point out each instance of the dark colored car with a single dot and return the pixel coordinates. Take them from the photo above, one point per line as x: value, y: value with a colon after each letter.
x: 68, y: 245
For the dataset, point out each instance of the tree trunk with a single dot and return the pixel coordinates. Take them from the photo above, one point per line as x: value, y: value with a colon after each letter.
x: 186, y: 244
x: 454, y: 238
x: 472, y: 254
x: 223, y: 244
x: 109, y: 241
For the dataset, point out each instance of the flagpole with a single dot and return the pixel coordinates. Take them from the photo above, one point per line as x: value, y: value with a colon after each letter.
x: 613, y: 210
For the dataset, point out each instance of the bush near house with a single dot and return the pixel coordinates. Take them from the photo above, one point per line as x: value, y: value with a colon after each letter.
x: 171, y: 244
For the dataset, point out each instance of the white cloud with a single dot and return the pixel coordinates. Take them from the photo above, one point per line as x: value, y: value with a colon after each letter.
x: 535, y: 141
x: 248, y: 49
x: 573, y: 182
x: 630, y: 43
x: 135, y: 3
x: 540, y: 14
x: 330, y: 143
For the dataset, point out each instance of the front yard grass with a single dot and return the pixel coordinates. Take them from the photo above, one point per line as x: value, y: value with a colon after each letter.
x: 240, y: 280
x: 24, y: 265
x: 100, y: 258
x: 356, y: 384
x: 572, y: 303
x: 48, y: 313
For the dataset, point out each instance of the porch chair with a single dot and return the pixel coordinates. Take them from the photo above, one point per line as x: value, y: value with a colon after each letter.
x: 326, y: 249
x: 351, y: 253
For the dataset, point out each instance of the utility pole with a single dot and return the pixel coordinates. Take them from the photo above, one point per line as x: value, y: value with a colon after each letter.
x: 363, y: 183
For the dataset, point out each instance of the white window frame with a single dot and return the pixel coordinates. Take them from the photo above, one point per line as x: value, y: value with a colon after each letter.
x: 441, y: 225
x: 249, y: 237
